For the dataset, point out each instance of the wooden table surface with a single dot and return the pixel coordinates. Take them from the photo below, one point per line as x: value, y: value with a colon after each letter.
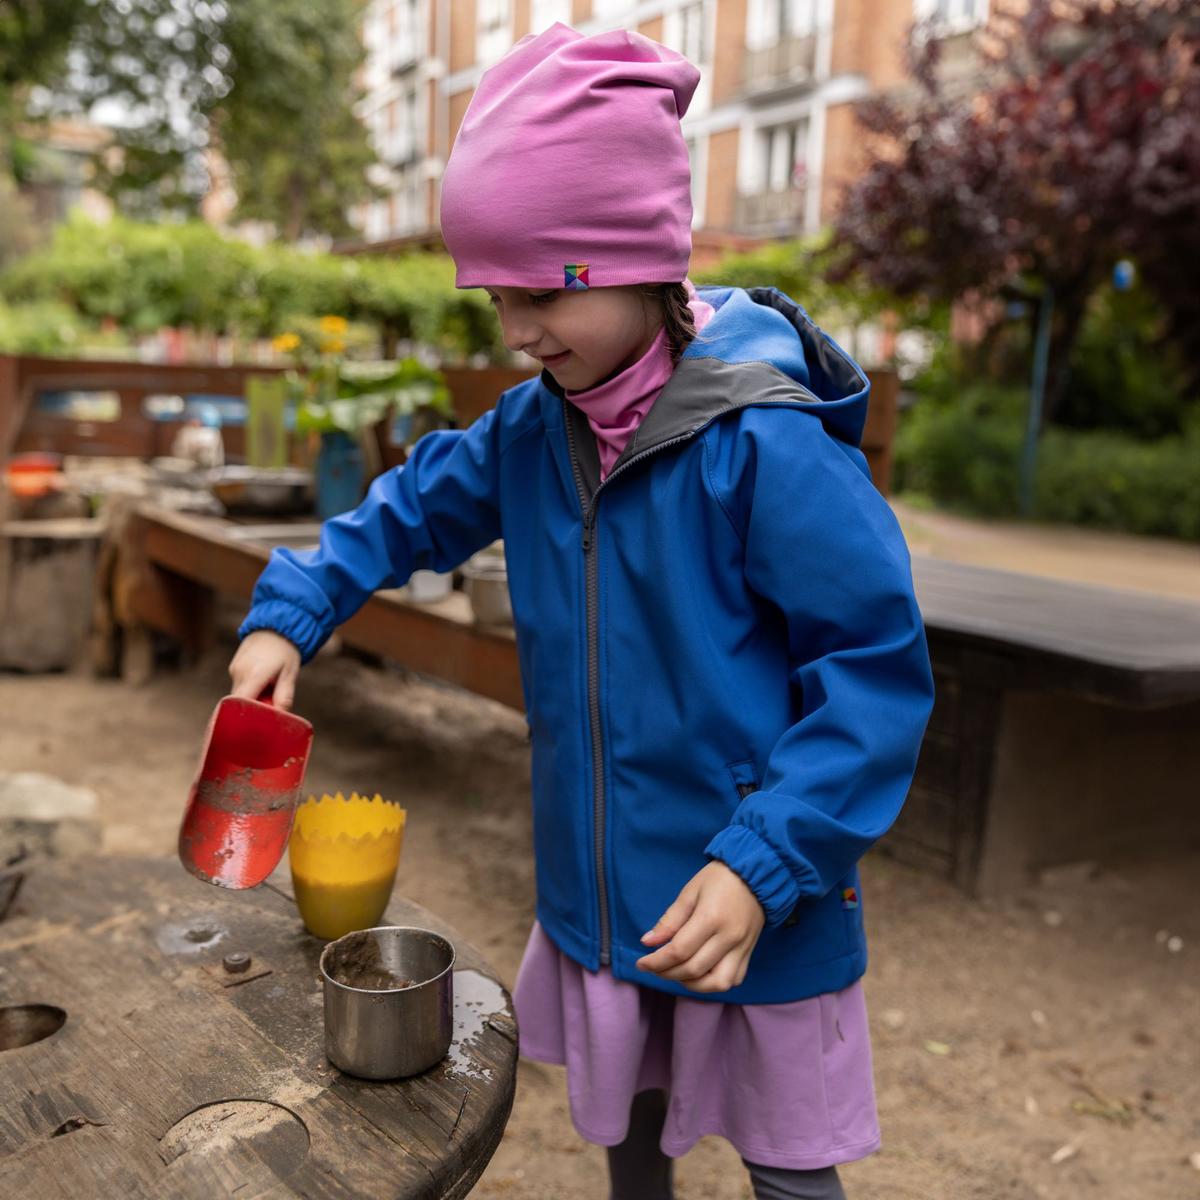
x: 172, y: 1078
x: 1122, y: 646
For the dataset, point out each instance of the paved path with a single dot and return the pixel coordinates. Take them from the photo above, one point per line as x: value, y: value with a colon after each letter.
x: 1166, y: 568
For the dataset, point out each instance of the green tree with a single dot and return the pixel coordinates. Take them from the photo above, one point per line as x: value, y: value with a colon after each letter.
x: 298, y: 153
x: 269, y: 83
x: 157, y: 63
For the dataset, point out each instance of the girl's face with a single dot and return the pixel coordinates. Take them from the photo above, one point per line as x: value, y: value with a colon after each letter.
x: 580, y: 337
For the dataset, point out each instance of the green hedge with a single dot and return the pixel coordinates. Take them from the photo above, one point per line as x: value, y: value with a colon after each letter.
x: 967, y: 457
x: 145, y: 277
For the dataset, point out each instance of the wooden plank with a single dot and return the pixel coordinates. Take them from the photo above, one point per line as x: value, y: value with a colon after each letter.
x: 482, y: 660
x: 14, y: 404
x: 195, y: 549
x: 1145, y: 637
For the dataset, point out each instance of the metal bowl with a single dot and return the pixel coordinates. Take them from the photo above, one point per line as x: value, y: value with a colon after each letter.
x: 278, y: 491
x: 485, y: 580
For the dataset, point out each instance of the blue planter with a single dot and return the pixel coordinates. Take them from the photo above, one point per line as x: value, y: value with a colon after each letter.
x: 341, y: 475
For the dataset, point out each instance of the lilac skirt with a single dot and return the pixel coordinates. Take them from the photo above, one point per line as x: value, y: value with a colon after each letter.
x: 790, y: 1085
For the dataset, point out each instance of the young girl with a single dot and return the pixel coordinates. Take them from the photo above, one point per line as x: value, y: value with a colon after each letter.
x: 724, y: 668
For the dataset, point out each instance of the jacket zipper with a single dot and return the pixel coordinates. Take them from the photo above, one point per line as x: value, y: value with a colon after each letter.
x: 593, y: 673
x: 592, y: 575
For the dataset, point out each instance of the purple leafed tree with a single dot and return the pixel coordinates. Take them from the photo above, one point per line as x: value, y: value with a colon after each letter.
x: 1075, y: 143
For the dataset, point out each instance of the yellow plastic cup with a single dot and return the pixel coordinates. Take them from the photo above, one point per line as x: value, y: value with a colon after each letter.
x: 344, y: 855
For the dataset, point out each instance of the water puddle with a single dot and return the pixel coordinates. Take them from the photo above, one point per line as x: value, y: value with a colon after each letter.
x: 191, y: 935
x: 476, y: 998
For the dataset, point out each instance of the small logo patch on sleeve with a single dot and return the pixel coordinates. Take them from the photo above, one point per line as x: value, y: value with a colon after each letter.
x: 575, y: 276
x: 849, y: 898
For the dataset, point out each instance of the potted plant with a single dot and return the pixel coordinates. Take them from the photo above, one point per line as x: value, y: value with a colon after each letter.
x: 339, y: 399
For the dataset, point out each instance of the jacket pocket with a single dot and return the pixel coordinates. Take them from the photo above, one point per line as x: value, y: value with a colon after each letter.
x: 744, y: 776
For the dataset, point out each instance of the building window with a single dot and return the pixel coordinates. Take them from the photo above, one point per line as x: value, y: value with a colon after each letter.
x: 951, y: 16
x: 397, y: 135
x: 407, y: 23
x: 493, y: 29
x: 546, y: 12
x: 607, y: 9
x: 377, y: 221
x: 693, y: 22
x: 783, y: 156
x: 770, y: 22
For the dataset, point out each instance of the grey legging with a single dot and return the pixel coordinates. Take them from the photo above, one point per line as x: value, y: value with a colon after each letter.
x: 639, y: 1170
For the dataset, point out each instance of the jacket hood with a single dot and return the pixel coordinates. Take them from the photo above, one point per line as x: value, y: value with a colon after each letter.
x: 763, y: 328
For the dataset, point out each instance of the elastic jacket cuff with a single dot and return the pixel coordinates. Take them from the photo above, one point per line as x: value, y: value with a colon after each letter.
x: 760, y: 867
x: 300, y: 628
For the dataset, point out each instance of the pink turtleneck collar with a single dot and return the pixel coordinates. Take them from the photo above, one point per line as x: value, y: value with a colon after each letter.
x: 616, y: 408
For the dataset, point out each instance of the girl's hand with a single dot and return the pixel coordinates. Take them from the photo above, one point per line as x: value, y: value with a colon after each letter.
x: 262, y: 660
x: 711, y: 929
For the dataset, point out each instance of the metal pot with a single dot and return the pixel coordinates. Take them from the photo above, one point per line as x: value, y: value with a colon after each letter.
x: 280, y: 490
x: 376, y: 1030
x: 485, y: 580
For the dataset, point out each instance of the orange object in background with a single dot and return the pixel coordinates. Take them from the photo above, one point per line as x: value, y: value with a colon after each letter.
x: 34, y: 475
x: 344, y: 855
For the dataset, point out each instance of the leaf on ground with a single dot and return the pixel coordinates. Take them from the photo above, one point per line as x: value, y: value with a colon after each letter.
x: 1113, y: 1110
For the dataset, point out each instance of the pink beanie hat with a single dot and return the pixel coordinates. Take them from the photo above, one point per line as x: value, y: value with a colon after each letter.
x: 570, y: 170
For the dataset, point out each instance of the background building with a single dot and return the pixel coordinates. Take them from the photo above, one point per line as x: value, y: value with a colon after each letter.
x: 771, y: 130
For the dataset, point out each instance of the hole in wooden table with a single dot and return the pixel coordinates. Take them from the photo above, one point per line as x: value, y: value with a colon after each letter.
x: 274, y: 1133
x: 24, y: 1024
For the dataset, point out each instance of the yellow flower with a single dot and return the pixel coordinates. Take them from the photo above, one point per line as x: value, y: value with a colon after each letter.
x: 285, y: 343
x: 333, y: 324
x: 333, y: 345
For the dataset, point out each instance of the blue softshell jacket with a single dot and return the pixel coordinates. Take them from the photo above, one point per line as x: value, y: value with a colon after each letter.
x: 720, y: 650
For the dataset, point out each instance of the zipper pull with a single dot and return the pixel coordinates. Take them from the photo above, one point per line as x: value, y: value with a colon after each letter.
x: 587, y: 533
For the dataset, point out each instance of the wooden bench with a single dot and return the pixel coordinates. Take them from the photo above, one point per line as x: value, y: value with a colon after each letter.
x: 165, y: 570
x: 1065, y: 726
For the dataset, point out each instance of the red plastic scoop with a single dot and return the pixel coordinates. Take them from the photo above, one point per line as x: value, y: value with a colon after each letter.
x: 241, y: 805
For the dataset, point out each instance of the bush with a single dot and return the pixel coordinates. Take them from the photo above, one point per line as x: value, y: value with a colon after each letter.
x: 967, y: 456
x: 50, y: 328
x: 1114, y: 481
x: 1125, y: 375
x: 146, y: 277
x: 963, y: 450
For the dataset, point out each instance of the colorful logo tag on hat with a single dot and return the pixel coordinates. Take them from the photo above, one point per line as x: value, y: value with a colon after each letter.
x: 849, y: 898
x: 576, y: 276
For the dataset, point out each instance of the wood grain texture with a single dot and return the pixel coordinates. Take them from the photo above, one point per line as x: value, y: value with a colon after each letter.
x: 152, y: 1035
